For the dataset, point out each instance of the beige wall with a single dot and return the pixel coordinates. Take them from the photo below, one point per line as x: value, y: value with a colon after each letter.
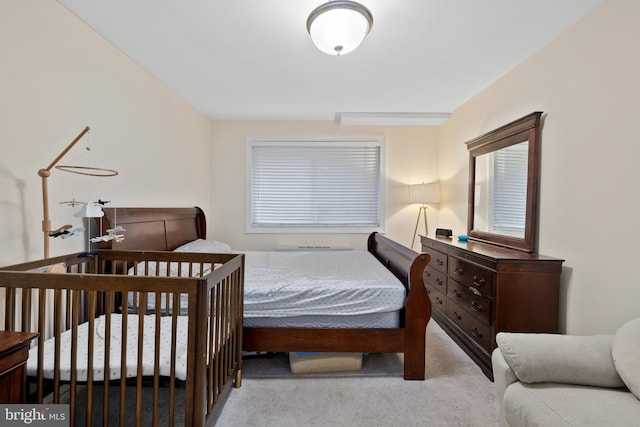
x: 411, y: 157
x: 58, y: 76
x: 587, y: 83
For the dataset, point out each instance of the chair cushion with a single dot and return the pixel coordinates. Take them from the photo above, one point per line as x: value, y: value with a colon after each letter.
x: 548, y: 405
x: 626, y: 354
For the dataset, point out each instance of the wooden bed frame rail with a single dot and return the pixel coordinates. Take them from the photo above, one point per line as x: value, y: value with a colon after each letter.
x: 58, y: 294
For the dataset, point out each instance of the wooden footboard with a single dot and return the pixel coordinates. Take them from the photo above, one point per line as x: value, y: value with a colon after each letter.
x: 409, y: 339
x: 193, y: 360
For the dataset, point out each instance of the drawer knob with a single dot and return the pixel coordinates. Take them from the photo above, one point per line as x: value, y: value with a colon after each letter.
x: 474, y: 291
x: 439, y: 282
x: 476, y: 307
x: 476, y: 333
x: 458, y: 271
x: 439, y: 262
x: 438, y: 301
x: 478, y: 282
x: 456, y: 294
x: 457, y: 316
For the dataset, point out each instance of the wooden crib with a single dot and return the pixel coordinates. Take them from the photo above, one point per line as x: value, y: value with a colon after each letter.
x: 62, y: 298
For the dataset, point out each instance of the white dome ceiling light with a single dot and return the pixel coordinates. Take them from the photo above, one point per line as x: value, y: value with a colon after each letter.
x: 338, y: 27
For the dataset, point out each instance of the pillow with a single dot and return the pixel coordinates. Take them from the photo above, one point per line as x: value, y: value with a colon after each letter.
x: 626, y: 355
x: 202, y: 245
x: 567, y: 359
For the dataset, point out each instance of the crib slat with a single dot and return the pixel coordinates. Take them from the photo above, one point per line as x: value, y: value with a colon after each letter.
x: 26, y: 309
x: 212, y: 349
x: 123, y: 361
x: 74, y: 357
x: 172, y: 374
x: 91, y: 335
x: 218, y: 314
x: 156, y: 362
x: 225, y: 335
x: 41, y: 323
x: 9, y: 303
x: 143, y: 312
x: 57, y: 313
x: 107, y: 359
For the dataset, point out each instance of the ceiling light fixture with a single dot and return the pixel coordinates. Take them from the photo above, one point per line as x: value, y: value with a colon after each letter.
x: 338, y: 27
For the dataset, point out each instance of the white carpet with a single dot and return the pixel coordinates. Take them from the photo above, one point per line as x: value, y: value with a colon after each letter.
x: 455, y: 393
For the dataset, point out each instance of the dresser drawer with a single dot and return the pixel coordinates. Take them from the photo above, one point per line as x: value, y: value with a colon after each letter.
x: 472, y: 300
x: 438, y: 259
x: 438, y: 299
x: 435, y: 278
x: 477, y: 331
x: 471, y: 275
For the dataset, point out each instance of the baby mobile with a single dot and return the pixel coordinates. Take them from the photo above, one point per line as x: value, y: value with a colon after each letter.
x: 86, y: 209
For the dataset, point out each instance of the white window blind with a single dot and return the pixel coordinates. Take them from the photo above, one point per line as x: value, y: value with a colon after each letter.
x: 510, y: 188
x: 314, y: 186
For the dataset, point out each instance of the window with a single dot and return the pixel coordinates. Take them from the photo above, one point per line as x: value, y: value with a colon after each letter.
x: 325, y: 185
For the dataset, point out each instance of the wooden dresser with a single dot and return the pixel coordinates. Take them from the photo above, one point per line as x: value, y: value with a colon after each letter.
x: 14, y: 351
x: 478, y: 289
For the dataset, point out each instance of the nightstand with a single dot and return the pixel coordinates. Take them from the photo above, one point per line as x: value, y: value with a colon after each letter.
x: 14, y: 351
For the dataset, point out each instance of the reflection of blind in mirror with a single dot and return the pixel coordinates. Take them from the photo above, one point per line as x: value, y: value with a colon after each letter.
x: 510, y: 189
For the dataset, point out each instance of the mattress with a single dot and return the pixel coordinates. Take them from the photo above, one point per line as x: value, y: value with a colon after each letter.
x: 327, y: 283
x: 390, y: 319
x: 307, y: 289
x: 148, y: 352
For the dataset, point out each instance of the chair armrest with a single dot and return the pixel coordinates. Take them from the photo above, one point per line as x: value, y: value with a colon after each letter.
x: 503, y: 376
x: 568, y: 359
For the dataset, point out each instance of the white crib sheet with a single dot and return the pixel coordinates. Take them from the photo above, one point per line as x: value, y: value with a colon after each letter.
x: 339, y: 283
x: 148, y: 351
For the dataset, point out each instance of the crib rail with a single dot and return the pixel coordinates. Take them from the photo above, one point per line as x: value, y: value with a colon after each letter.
x: 65, y: 298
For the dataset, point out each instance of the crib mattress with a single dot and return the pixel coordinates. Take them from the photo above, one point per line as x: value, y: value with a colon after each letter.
x: 328, y: 283
x: 148, y: 352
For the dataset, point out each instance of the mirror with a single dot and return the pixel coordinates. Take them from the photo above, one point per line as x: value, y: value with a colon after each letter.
x: 503, y: 183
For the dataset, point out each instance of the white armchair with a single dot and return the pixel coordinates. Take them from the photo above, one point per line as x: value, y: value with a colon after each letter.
x: 561, y: 380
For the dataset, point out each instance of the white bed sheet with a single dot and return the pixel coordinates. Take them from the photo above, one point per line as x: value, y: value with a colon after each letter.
x: 334, y: 283
x: 148, y: 351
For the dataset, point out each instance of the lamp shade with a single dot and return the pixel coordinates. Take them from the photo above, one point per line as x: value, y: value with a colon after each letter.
x: 338, y: 27
x: 424, y: 193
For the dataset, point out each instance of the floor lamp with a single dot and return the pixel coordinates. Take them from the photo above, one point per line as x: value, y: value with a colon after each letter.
x: 423, y: 194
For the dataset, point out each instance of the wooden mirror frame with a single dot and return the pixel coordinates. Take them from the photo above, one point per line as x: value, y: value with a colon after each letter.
x: 526, y: 128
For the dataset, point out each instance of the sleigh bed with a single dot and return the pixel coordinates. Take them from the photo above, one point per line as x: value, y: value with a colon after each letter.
x: 168, y: 229
x: 179, y: 376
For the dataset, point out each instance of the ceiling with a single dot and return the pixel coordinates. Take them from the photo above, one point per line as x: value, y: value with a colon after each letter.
x: 254, y: 60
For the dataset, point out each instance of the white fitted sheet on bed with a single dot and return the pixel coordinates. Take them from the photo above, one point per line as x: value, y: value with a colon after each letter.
x: 328, y: 283
x: 148, y: 351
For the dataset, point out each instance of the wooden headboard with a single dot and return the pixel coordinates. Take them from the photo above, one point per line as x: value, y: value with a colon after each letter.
x: 153, y: 229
